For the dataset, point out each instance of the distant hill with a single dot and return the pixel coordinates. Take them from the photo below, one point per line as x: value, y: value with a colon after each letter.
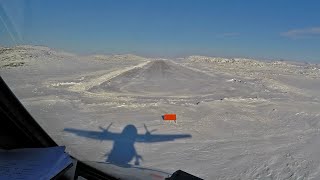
x: 22, y: 55
x: 118, y: 57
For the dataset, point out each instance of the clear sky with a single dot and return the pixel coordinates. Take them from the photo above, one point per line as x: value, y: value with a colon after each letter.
x: 285, y: 29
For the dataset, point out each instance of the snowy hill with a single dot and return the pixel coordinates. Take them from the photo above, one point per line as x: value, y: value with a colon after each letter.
x: 22, y: 55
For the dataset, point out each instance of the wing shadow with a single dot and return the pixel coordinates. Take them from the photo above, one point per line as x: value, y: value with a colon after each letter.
x: 123, y: 150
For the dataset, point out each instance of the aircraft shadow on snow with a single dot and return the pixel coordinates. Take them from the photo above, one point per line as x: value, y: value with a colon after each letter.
x: 123, y: 150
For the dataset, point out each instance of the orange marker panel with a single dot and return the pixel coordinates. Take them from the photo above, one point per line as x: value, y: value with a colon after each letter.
x: 170, y: 117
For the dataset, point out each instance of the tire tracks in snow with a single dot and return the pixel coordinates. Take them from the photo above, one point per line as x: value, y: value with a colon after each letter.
x: 85, y: 86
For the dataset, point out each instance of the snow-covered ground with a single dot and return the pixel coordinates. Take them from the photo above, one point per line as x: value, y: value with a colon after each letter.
x: 236, y: 118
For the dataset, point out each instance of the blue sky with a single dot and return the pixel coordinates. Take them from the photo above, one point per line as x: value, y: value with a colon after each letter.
x: 271, y: 29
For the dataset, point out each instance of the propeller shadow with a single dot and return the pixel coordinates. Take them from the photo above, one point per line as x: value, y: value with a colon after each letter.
x: 123, y: 150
